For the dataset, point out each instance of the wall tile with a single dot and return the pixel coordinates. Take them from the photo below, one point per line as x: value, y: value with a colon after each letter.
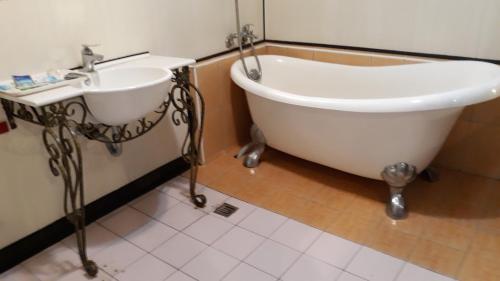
x: 342, y: 58
x: 474, y: 148
x: 381, y: 61
x: 486, y: 113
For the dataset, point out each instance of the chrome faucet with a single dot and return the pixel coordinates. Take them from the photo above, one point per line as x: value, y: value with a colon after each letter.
x: 89, y: 58
x: 242, y: 37
x: 246, y: 35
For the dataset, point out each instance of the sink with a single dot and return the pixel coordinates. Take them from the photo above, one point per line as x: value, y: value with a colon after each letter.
x: 118, y: 96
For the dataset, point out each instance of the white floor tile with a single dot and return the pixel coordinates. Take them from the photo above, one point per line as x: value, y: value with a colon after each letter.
x: 98, y: 239
x: 273, y: 258
x: 296, y: 235
x: 244, y: 272
x: 412, y: 272
x: 139, y: 228
x: 181, y: 216
x: 210, y: 265
x: 311, y: 269
x: 147, y: 268
x: 125, y: 221
x: 119, y: 256
x: 81, y: 275
x: 238, y: 242
x: 180, y: 276
x: 374, y: 265
x: 333, y: 250
x: 112, y: 213
x: 263, y: 222
x: 208, y: 229
x: 53, y: 263
x: 244, y: 209
x: 346, y: 276
x: 151, y: 235
x: 155, y: 203
x: 17, y: 273
x: 179, y: 250
x: 179, y: 188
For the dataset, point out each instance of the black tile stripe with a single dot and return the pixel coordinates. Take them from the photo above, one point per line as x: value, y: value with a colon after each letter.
x: 381, y: 51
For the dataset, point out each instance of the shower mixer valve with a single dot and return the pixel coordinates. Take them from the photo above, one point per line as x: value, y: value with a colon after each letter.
x: 246, y: 36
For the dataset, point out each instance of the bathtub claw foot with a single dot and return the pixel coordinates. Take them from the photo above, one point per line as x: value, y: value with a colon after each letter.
x: 253, y: 151
x: 397, y: 177
x: 430, y: 174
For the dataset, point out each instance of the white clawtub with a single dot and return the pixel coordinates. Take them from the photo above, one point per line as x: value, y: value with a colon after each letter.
x: 362, y: 120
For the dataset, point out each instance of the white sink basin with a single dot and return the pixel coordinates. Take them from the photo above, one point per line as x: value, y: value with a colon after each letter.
x: 118, y: 96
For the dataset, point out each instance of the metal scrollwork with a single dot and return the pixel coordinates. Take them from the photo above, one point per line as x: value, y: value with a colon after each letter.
x: 184, y: 105
x: 65, y: 121
x: 65, y: 161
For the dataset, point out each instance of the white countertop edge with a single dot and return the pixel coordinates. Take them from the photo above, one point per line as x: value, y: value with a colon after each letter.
x: 69, y: 92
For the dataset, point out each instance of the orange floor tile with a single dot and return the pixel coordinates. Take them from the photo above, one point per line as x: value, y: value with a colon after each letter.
x: 452, y: 228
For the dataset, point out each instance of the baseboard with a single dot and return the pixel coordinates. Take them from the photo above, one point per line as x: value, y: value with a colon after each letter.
x: 40, y: 240
x: 380, y: 51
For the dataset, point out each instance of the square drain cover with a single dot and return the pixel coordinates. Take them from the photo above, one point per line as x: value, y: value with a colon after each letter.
x: 226, y: 210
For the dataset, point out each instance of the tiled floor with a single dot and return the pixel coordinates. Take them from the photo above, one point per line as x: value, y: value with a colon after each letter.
x: 453, y: 227
x: 161, y: 237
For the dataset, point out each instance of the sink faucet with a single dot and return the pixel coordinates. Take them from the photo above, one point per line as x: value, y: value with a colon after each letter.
x: 89, y: 58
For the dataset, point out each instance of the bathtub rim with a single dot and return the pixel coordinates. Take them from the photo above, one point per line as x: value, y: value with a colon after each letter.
x: 450, y: 99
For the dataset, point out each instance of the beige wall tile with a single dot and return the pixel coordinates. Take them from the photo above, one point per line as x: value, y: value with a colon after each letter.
x: 437, y: 257
x: 276, y: 50
x: 486, y: 113
x: 380, y: 61
x: 474, y: 148
x: 347, y: 59
x: 300, y: 53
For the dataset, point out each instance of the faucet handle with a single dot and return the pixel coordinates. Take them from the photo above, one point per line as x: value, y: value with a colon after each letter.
x: 87, y: 48
x: 248, y: 28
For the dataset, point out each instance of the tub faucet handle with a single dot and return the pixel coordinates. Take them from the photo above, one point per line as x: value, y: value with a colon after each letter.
x: 247, y: 30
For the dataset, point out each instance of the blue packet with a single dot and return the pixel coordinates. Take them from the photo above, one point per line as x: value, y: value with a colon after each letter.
x: 23, y: 82
x: 5, y: 87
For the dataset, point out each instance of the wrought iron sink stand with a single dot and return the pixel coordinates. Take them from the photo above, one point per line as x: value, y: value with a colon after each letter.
x: 64, y: 122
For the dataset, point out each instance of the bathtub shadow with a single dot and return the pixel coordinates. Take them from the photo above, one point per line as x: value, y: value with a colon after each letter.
x: 456, y: 195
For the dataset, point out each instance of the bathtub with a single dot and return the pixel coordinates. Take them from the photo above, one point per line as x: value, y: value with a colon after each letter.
x: 361, y: 120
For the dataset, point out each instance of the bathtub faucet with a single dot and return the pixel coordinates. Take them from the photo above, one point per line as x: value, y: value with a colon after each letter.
x: 244, y: 36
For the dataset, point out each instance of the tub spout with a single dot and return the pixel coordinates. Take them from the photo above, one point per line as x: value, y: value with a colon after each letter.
x: 397, y: 177
x: 254, y: 150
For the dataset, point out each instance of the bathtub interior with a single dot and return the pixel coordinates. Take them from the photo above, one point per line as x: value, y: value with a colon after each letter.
x: 326, y: 80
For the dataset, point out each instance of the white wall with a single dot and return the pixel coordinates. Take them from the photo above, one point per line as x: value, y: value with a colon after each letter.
x: 38, y: 35
x: 451, y: 27
x: 41, y: 34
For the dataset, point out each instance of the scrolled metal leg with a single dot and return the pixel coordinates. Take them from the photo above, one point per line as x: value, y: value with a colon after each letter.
x: 254, y: 150
x: 397, y: 177
x: 185, y: 111
x: 66, y: 161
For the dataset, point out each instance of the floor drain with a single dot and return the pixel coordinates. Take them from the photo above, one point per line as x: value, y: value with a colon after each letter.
x: 226, y: 210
